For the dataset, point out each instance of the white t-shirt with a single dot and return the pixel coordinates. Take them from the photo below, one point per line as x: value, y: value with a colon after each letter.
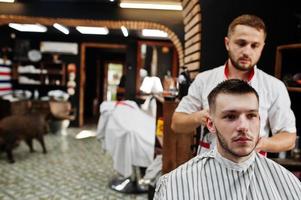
x: 274, y: 102
x: 211, y: 176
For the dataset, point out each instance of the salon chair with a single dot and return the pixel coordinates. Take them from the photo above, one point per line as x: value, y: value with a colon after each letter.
x: 128, y: 135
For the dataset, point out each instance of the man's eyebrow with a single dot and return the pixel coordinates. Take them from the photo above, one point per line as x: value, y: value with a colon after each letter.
x: 244, y: 40
x: 238, y: 111
x: 240, y: 40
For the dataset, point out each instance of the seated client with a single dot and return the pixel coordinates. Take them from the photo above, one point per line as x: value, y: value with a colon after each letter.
x: 233, y: 169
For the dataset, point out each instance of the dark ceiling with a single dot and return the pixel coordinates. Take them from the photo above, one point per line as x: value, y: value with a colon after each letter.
x: 104, y: 3
x: 94, y: 10
x: 95, y: 1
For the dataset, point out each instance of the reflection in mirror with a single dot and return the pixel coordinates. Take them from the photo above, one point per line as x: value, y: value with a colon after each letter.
x: 114, y: 75
x: 156, y: 58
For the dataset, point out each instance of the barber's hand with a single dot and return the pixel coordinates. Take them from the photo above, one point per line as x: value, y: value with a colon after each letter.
x: 262, y: 144
x: 203, y: 116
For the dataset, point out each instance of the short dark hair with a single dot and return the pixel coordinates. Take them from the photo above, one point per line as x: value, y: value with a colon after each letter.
x: 231, y: 86
x: 247, y: 20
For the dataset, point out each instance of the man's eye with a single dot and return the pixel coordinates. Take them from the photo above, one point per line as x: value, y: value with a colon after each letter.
x: 254, y: 46
x: 230, y: 117
x: 252, y: 115
x: 241, y: 43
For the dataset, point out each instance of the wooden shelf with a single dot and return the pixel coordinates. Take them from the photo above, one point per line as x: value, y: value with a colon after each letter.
x: 30, y: 73
x: 279, y: 60
x: 294, y: 89
x: 58, y: 73
x: 289, y: 46
x: 21, y: 85
x: 49, y: 72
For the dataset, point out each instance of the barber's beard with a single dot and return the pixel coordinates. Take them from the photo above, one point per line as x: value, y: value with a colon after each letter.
x: 226, y: 147
x: 237, y: 66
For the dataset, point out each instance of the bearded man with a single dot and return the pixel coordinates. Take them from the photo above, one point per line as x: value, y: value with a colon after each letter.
x: 233, y: 169
x: 244, y: 42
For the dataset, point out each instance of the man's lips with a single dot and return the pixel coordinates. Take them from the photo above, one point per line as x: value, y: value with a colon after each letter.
x: 244, y: 60
x: 242, y: 139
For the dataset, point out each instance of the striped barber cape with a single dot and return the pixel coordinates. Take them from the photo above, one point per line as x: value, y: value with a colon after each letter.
x: 209, y: 176
x: 5, y: 79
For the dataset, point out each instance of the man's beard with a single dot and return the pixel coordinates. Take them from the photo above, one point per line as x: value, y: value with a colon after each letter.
x: 225, y: 146
x: 239, y: 67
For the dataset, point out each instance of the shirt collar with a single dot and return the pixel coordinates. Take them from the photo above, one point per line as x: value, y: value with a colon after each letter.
x: 226, y: 72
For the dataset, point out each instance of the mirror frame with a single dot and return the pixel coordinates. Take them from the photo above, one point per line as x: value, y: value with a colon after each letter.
x: 175, y: 63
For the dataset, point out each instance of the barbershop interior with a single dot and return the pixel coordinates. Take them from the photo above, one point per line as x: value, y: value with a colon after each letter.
x: 97, y: 82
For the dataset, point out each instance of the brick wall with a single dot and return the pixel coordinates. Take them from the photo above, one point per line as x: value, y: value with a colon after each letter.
x: 192, y: 27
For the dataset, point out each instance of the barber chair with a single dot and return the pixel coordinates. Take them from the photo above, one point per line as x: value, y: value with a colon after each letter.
x: 128, y: 135
x: 129, y: 185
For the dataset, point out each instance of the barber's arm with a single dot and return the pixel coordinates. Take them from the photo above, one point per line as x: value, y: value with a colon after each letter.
x: 282, y: 123
x: 189, y: 114
x: 282, y: 141
x: 186, y: 123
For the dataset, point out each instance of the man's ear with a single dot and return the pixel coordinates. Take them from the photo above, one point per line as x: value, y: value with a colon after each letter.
x: 210, y: 125
x: 226, y: 40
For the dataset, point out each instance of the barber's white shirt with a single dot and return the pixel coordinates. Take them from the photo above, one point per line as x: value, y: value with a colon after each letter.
x: 274, y: 102
x: 210, y: 176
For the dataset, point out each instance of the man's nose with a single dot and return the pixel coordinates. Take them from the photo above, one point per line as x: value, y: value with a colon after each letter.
x: 247, y: 50
x: 243, y: 124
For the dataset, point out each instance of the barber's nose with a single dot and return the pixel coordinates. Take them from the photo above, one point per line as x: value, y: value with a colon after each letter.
x: 247, y: 50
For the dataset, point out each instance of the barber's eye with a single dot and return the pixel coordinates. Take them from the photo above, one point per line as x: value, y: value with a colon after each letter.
x: 241, y: 43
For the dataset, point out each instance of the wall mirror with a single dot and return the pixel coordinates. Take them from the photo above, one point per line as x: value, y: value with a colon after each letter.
x: 156, y: 58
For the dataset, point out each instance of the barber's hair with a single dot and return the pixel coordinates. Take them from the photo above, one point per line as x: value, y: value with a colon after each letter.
x: 247, y: 20
x: 231, y: 86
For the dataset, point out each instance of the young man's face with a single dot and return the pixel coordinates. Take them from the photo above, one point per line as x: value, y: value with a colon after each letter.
x: 244, y: 46
x: 235, y: 121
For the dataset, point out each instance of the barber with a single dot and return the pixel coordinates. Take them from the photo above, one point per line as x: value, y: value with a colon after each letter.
x: 244, y: 42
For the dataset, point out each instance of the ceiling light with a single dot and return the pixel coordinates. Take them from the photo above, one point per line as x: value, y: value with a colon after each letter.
x: 124, y: 31
x: 28, y: 27
x: 8, y: 1
x: 93, y: 30
x: 61, y: 28
x: 151, y: 5
x: 154, y: 33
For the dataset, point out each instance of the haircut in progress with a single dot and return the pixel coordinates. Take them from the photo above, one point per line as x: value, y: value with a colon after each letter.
x: 234, y: 119
x: 244, y: 43
x: 233, y: 168
x: 232, y: 86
